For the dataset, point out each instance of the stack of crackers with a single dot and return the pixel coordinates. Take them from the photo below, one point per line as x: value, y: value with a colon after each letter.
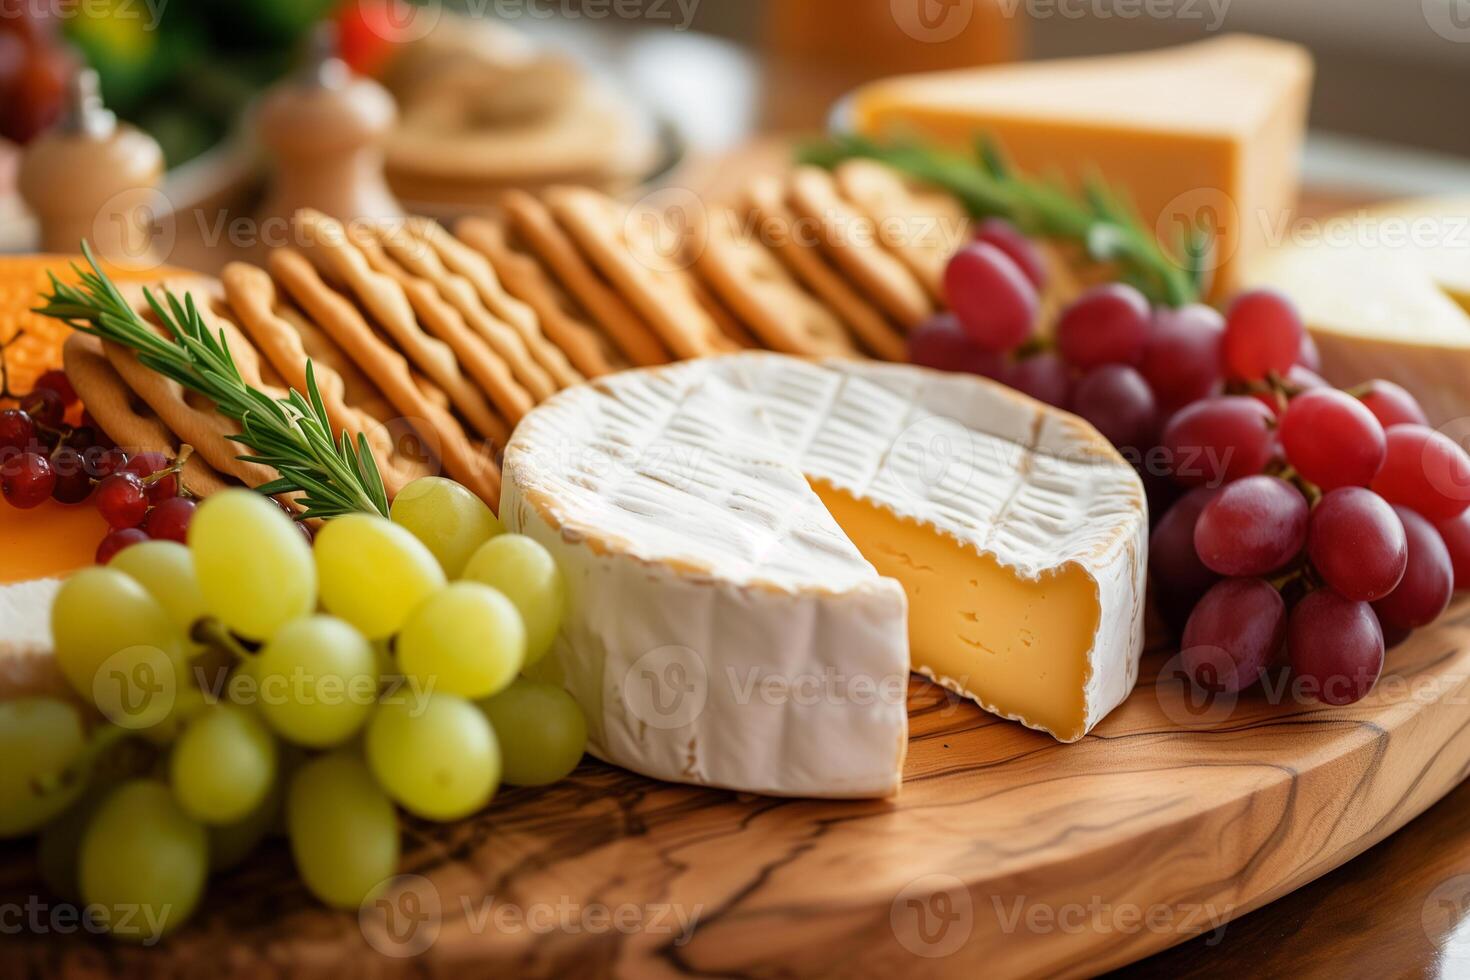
x: 435, y: 344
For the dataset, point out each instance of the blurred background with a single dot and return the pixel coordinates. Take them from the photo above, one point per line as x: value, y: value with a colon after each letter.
x: 495, y: 93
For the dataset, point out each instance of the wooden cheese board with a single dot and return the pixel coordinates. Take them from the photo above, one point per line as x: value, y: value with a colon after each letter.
x: 1005, y: 852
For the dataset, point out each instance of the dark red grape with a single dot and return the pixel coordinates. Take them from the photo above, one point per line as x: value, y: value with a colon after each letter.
x: 1106, y: 325
x: 1336, y: 646
x: 1017, y: 247
x: 102, y: 462
x: 73, y: 485
x: 1426, y: 471
x: 121, y: 500
x: 17, y: 431
x: 170, y: 519
x: 1263, y: 333
x: 1178, y: 576
x: 116, y: 541
x: 1357, y: 544
x: 941, y: 343
x: 1218, y: 440
x: 58, y: 382
x: 1044, y: 377
x: 45, y: 407
x: 1181, y: 358
x: 147, y: 464
x: 1332, y: 440
x: 1117, y: 400
x: 1253, y: 526
x: 995, y: 302
x: 27, y: 480
x: 1393, y: 405
x: 1456, y: 535
x: 1429, y: 577
x: 1233, y: 634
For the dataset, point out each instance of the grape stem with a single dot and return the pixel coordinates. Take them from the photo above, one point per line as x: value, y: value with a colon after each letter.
x: 210, y: 632
x: 103, y: 737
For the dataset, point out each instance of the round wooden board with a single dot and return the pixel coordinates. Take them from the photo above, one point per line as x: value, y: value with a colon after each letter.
x: 1006, y: 854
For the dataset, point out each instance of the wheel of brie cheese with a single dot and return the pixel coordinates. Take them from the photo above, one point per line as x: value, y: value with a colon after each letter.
x: 759, y: 548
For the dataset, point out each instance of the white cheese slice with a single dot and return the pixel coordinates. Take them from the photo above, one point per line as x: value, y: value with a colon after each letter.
x: 738, y: 535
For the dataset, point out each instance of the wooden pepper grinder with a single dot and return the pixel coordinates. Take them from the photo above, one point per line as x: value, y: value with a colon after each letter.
x: 95, y: 178
x: 325, y: 129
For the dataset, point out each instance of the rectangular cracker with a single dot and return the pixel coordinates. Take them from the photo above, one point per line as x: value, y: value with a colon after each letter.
x: 776, y: 227
x: 921, y: 225
x: 850, y: 238
x: 564, y: 323
x: 383, y: 299
x: 534, y: 224
x: 464, y: 261
x: 756, y: 287
x: 623, y: 251
x: 443, y: 321
x: 278, y: 332
x: 389, y: 371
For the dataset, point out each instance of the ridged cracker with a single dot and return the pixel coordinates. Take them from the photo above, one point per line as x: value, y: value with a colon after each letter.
x: 389, y: 371
x: 923, y: 226
x: 619, y: 248
x: 851, y: 239
x: 765, y: 197
x: 384, y: 301
x: 731, y: 326
x: 534, y: 224
x: 566, y: 325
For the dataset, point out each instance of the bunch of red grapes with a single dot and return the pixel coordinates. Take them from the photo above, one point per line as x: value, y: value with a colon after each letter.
x: 1294, y: 522
x: 44, y: 457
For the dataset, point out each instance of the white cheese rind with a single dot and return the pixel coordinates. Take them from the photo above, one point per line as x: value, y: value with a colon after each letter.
x: 676, y: 501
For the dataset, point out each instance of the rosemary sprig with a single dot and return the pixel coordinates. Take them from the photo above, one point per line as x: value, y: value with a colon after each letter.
x: 1100, y: 219
x: 292, y: 435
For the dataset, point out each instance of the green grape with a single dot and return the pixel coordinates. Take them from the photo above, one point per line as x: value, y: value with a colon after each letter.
x: 436, y: 756
x: 40, y: 740
x: 527, y: 574
x: 541, y: 730
x: 166, y: 570
x: 117, y: 647
x: 59, y: 846
x: 343, y: 829
x: 450, y: 520
x: 373, y: 573
x: 316, y: 681
x: 223, y: 765
x: 143, y: 861
x: 230, y: 844
x: 254, y: 567
x: 467, y: 639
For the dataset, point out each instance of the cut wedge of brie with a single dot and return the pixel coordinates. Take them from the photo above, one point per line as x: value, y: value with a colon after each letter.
x: 757, y: 548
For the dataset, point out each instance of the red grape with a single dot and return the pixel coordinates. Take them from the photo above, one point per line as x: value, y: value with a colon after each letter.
x: 73, y: 485
x: 1044, y: 377
x: 1178, y: 576
x: 941, y: 343
x: 27, y: 480
x: 1107, y: 325
x: 102, y: 463
x: 17, y: 431
x: 147, y: 464
x: 1429, y: 577
x: 995, y: 302
x: 45, y: 407
x: 1017, y: 247
x: 1233, y: 634
x: 169, y: 521
x: 1336, y: 644
x: 1181, y: 358
x: 1263, y: 333
x: 58, y: 382
x: 1392, y: 405
x: 121, y: 500
x: 1252, y: 527
x: 1310, y: 357
x: 116, y: 541
x: 1426, y: 471
x: 1332, y: 440
x: 1456, y: 535
x: 1358, y: 544
x: 1117, y: 400
x: 1218, y: 440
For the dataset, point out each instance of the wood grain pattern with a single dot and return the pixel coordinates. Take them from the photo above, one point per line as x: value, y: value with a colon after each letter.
x: 1007, y: 854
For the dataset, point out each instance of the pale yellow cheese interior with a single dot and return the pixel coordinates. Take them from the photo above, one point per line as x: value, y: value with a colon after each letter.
x: 1020, y: 647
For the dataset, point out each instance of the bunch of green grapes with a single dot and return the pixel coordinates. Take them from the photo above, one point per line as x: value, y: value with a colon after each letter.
x: 316, y: 685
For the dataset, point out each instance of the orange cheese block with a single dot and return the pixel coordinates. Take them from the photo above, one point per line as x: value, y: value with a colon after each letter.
x: 1206, y: 133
